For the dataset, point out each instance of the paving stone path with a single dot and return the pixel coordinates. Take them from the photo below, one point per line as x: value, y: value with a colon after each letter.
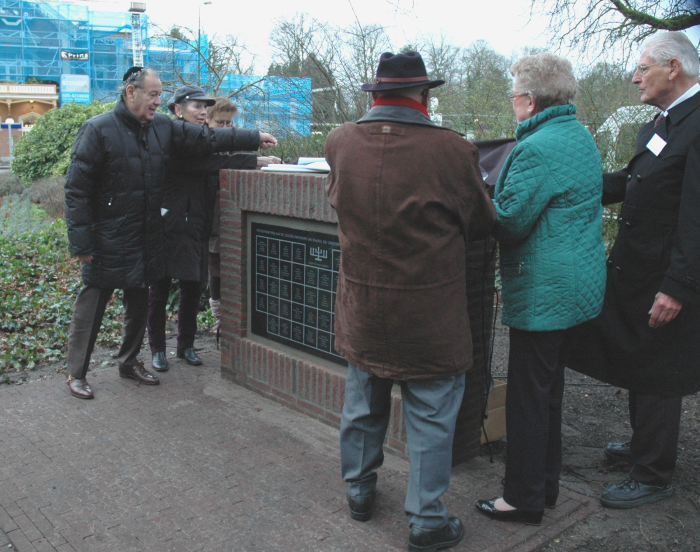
x: 199, y: 463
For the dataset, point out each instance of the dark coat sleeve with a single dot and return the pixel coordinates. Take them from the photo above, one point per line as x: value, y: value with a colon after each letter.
x: 87, y: 159
x: 194, y: 140
x: 482, y: 213
x: 615, y: 186
x: 682, y: 278
x: 212, y: 164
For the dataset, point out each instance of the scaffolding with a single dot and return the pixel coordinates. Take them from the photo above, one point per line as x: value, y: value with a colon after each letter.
x: 42, y: 41
x: 280, y: 105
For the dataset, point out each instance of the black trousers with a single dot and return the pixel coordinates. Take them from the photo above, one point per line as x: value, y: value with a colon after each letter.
x: 88, y: 310
x: 655, y: 425
x: 533, y: 416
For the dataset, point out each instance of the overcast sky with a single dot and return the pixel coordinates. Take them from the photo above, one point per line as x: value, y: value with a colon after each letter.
x: 504, y: 23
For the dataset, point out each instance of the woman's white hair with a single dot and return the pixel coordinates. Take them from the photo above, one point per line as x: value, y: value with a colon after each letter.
x: 546, y: 77
x: 663, y: 47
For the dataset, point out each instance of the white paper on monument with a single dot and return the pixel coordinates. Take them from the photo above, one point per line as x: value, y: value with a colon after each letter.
x: 310, y: 160
x: 313, y: 167
x: 656, y: 144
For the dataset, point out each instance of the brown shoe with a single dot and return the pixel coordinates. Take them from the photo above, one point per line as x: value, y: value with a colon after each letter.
x: 139, y: 373
x: 79, y: 387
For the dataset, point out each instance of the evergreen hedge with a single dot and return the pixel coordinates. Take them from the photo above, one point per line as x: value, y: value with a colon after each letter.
x: 45, y: 150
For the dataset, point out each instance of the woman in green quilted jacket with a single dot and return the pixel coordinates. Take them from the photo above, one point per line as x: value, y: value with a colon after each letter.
x: 552, y: 260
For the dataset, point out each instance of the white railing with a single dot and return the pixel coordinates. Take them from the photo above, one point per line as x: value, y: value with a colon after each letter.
x: 28, y: 89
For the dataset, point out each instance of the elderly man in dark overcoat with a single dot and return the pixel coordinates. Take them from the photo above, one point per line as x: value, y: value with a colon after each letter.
x: 114, y: 193
x: 646, y: 338
x: 409, y: 198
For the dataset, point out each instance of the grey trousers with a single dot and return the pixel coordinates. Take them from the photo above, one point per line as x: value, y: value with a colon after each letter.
x: 430, y: 412
x: 88, y: 310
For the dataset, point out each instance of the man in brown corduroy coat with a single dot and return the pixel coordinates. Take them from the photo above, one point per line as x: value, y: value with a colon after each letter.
x: 409, y: 198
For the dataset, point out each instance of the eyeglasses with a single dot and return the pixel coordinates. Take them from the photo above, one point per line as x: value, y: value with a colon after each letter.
x: 512, y: 97
x: 644, y: 69
x: 224, y: 123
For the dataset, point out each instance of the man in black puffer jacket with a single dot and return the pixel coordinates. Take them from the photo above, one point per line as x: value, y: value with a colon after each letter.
x: 114, y: 192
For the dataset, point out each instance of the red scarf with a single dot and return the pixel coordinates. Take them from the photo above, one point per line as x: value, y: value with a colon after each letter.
x: 402, y: 101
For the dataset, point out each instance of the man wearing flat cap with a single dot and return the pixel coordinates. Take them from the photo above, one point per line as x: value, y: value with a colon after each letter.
x: 114, y: 191
x: 409, y: 198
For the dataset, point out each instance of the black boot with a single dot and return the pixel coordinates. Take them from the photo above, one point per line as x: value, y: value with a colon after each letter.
x: 160, y: 362
x: 189, y: 355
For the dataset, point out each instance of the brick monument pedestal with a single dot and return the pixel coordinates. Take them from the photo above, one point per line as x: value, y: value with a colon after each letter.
x: 279, y: 264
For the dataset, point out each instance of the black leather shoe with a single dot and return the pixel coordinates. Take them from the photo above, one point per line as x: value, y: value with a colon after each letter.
x: 189, y: 355
x: 427, y: 540
x: 618, y: 452
x: 487, y: 508
x: 160, y: 362
x: 630, y: 493
x: 549, y: 501
x: 361, y: 507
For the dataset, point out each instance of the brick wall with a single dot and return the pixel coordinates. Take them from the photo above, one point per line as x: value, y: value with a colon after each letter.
x: 306, y: 386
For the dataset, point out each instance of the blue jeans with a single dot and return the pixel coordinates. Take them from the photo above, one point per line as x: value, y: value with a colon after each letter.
x: 430, y: 411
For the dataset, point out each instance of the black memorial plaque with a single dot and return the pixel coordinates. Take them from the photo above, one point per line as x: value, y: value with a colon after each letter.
x: 296, y: 277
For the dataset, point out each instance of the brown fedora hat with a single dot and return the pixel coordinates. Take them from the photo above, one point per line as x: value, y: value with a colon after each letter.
x: 400, y: 71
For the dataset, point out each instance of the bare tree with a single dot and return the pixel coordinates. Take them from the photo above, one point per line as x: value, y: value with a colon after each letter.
x: 183, y: 60
x: 305, y: 48
x: 358, y: 55
x: 594, y: 26
x: 603, y: 89
x: 441, y: 57
x: 474, y: 99
x: 336, y: 59
x: 301, y: 44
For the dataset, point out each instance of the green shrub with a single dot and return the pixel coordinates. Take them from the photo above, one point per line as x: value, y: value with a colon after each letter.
x: 38, y: 284
x: 45, y: 150
x: 49, y: 193
x: 10, y: 184
x: 293, y: 147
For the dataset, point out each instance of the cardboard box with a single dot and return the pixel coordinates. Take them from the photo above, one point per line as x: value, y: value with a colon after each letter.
x: 495, y: 424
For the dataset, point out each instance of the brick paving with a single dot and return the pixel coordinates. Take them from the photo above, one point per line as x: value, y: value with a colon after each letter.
x: 199, y: 463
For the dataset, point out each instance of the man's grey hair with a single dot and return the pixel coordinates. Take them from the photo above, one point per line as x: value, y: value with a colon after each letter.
x: 663, y: 47
x: 546, y: 77
x: 136, y: 80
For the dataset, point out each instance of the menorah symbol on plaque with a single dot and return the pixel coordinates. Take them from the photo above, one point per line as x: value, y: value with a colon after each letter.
x: 319, y: 254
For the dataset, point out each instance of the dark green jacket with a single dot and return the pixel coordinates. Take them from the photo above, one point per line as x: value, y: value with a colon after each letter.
x: 548, y: 223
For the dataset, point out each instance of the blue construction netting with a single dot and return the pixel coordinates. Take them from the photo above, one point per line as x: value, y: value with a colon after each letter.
x: 42, y: 41
x: 281, y: 105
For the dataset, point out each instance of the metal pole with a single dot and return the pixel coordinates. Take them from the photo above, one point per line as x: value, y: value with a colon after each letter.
x: 199, y: 45
x: 199, y: 42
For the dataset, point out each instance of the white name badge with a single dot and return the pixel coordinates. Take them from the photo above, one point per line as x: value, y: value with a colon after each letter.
x: 656, y: 144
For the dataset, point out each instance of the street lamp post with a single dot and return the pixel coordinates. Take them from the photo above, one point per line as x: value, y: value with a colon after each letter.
x: 199, y: 42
